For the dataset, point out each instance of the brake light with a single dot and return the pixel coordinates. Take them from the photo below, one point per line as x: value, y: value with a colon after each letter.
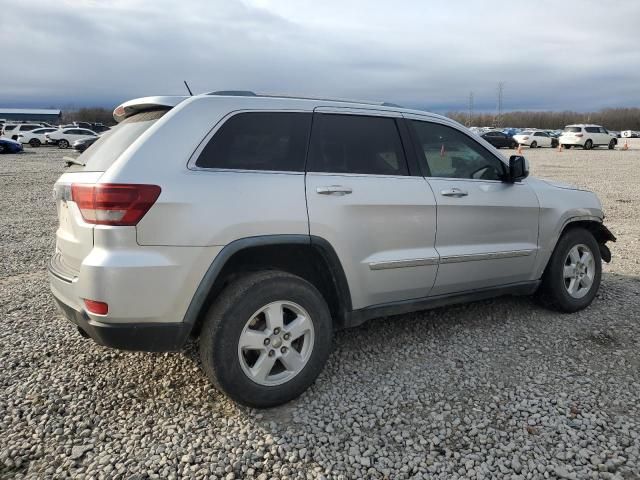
x: 579, y: 135
x: 95, y: 307
x: 114, y: 203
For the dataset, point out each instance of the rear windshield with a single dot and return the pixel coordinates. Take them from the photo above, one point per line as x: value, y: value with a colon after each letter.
x: 526, y: 133
x: 114, y: 142
x: 573, y: 129
x: 9, y: 127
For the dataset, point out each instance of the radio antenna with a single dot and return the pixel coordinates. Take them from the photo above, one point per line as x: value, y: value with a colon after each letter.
x: 188, y: 89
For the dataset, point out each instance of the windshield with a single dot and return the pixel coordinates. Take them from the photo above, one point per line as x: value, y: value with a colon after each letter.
x: 572, y: 129
x: 114, y: 142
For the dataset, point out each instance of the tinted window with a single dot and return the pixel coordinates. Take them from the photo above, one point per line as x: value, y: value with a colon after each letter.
x: 602, y: 130
x: 592, y: 129
x: 114, y: 142
x: 356, y: 144
x: 450, y: 153
x: 28, y: 128
x: 9, y: 127
x: 573, y: 129
x: 259, y: 141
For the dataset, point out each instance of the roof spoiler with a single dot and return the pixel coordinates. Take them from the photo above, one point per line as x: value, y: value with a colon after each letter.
x: 137, y: 105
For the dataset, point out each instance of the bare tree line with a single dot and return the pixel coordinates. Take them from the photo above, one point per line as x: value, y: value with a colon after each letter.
x: 91, y: 114
x: 611, y: 118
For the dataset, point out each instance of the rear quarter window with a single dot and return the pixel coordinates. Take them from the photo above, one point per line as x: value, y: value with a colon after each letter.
x: 269, y: 141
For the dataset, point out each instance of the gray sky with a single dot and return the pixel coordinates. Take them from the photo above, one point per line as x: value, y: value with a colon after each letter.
x: 555, y: 55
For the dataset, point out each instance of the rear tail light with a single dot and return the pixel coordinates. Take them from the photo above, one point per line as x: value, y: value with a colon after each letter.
x: 114, y: 203
x: 579, y: 135
x: 95, y: 307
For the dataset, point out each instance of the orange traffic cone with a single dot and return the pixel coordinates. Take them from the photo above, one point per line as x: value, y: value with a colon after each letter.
x: 626, y: 145
x: 519, y: 150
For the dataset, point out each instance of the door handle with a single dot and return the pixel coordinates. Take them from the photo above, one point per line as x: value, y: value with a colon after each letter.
x: 454, y: 192
x: 334, y: 190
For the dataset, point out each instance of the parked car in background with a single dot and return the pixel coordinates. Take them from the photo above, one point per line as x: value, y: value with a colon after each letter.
x: 83, y: 144
x: 36, y: 137
x: 629, y: 134
x: 500, y: 139
x: 10, y: 146
x: 614, y: 134
x: 586, y: 136
x: 20, y: 128
x: 65, y: 137
x: 213, y: 242
x: 98, y: 127
x: 535, y: 139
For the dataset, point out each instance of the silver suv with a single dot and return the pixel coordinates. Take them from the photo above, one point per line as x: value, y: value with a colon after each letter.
x: 260, y: 224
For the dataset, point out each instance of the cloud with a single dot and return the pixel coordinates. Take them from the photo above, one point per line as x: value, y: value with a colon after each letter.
x: 570, y: 55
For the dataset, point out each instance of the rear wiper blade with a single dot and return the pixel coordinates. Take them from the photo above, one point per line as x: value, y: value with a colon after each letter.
x: 72, y: 161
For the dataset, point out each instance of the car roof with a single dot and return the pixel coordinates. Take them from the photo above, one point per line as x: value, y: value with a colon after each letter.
x: 249, y: 98
x: 583, y: 125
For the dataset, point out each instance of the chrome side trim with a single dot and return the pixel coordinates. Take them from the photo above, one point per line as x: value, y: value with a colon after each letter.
x: 414, y: 262
x: 473, y: 257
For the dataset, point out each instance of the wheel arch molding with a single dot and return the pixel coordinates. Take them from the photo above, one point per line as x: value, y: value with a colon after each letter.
x: 309, y: 257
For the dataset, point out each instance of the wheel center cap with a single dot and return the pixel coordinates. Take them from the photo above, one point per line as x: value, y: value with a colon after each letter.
x: 276, y: 342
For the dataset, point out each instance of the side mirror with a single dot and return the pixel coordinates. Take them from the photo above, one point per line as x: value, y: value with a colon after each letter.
x: 518, y: 168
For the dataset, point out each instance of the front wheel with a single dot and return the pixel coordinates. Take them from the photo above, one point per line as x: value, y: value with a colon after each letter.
x: 612, y: 144
x: 572, y: 277
x: 266, y: 338
x: 63, y: 143
x: 534, y: 144
x: 34, y: 142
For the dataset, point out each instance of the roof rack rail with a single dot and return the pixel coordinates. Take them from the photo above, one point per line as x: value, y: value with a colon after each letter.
x: 234, y: 93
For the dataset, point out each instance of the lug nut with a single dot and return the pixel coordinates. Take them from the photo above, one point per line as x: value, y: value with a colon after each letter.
x: 287, y: 336
x: 276, y: 331
x: 283, y: 350
x: 272, y: 353
x: 267, y: 341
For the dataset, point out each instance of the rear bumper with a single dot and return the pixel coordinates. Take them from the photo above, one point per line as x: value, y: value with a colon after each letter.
x: 146, y: 337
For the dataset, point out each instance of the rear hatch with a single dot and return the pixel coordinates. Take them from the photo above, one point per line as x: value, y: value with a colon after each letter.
x: 74, y: 237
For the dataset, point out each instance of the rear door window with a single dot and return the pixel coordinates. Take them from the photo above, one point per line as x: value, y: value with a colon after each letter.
x: 271, y: 141
x: 356, y: 144
x: 592, y: 129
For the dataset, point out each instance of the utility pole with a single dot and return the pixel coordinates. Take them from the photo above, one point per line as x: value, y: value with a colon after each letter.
x: 498, y: 120
x: 470, y: 114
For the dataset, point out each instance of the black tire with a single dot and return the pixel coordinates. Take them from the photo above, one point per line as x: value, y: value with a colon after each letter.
x: 554, y: 143
x: 612, y: 144
x: 588, y: 145
x: 227, y: 318
x: 34, y: 142
x: 534, y: 144
x: 63, y: 143
x: 14, y: 137
x: 568, y: 147
x: 553, y: 292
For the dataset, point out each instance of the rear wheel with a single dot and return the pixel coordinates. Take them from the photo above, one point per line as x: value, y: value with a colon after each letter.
x: 34, y: 142
x: 266, y: 338
x: 612, y: 144
x: 572, y: 277
x: 588, y: 145
x: 554, y: 143
x: 568, y: 147
x: 534, y: 145
x: 63, y: 143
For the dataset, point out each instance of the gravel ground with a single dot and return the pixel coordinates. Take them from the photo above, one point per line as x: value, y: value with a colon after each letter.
x: 496, y: 389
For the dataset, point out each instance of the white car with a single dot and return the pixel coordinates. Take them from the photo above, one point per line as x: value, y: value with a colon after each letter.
x: 36, y: 137
x: 535, y: 139
x: 66, y: 136
x: 587, y: 137
x: 629, y: 134
x: 13, y: 130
